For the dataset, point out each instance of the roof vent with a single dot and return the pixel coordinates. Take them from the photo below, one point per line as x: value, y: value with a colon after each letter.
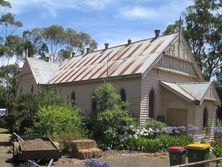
x: 106, y: 45
x: 129, y: 41
x: 47, y: 58
x: 157, y: 33
x: 87, y: 50
x: 82, y: 51
x: 73, y: 54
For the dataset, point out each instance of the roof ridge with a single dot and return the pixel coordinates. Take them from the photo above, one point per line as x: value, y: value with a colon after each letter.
x: 125, y: 44
x: 186, y: 91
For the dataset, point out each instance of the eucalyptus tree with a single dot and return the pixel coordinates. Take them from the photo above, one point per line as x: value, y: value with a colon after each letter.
x: 8, y: 25
x: 203, y: 30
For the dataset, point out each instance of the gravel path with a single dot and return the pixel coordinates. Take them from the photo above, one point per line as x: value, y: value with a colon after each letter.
x: 115, y: 158
x: 122, y: 159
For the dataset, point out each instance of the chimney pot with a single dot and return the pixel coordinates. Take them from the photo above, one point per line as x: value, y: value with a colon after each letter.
x: 73, y: 54
x: 106, y: 45
x: 157, y: 33
x: 129, y: 41
x: 47, y: 58
x: 87, y: 50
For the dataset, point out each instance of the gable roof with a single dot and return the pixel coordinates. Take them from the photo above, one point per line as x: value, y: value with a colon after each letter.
x: 42, y: 70
x: 193, y: 91
x: 122, y: 60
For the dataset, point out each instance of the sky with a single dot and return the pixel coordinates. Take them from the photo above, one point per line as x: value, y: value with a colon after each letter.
x: 106, y: 21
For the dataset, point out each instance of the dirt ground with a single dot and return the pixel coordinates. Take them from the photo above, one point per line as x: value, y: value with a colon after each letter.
x: 115, y: 158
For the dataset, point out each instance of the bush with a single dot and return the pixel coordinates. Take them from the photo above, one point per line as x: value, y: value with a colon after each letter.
x: 109, y: 127
x: 160, y: 143
x: 217, y: 149
x: 109, y: 118
x: 95, y: 163
x: 23, y: 110
x: 58, y: 122
x: 154, y: 124
x: 106, y: 98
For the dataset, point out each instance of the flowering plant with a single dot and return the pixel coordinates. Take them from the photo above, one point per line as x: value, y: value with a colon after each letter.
x: 95, y: 163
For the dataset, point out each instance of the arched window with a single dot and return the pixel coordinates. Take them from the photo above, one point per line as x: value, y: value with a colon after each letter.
x: 73, y: 98
x: 94, y: 106
x: 32, y: 89
x: 205, y: 117
x: 123, y: 95
x: 151, y: 103
x: 20, y: 90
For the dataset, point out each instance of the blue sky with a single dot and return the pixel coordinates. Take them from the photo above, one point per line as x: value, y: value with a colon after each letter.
x: 112, y: 21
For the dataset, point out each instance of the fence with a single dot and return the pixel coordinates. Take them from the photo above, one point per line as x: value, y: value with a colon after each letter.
x: 213, y: 163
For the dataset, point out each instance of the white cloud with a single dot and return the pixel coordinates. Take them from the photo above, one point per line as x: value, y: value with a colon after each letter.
x: 52, y: 6
x: 164, y: 11
x: 136, y: 12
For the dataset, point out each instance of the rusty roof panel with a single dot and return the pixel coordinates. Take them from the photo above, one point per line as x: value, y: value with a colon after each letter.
x: 134, y: 58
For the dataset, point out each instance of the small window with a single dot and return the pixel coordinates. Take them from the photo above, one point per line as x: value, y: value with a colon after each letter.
x: 151, y: 103
x: 123, y: 95
x: 205, y: 117
x: 73, y: 98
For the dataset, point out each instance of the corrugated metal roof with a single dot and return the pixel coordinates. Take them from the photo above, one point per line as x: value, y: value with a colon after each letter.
x: 121, y: 60
x: 193, y: 90
x: 42, y: 70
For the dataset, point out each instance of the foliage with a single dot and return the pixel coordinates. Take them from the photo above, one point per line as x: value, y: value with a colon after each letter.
x: 106, y: 98
x: 2, y: 96
x: 217, y: 148
x: 22, y: 110
x: 109, y: 117
x: 160, y: 143
x: 8, y: 77
x: 95, y: 163
x: 58, y: 42
x: 154, y: 124
x: 202, y: 29
x: 59, y: 122
x: 10, y: 44
x: 108, y: 128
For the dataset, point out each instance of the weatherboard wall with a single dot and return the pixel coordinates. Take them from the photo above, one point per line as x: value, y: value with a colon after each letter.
x: 84, y: 91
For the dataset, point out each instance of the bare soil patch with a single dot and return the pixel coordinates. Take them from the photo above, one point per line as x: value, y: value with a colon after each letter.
x: 37, y: 144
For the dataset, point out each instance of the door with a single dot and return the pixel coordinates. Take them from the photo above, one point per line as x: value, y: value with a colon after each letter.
x: 176, y: 117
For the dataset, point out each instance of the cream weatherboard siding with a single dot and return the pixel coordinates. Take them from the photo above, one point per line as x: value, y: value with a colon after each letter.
x: 84, y: 91
x: 151, y: 81
x: 172, y: 67
x: 198, y: 114
x: 136, y: 67
x: 26, y: 81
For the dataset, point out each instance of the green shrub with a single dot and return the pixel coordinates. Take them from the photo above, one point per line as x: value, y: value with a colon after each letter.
x: 175, y: 140
x: 160, y: 143
x: 23, y: 110
x: 154, y: 124
x: 106, y: 98
x: 58, y: 122
x: 109, y: 118
x: 217, y: 150
x: 109, y: 127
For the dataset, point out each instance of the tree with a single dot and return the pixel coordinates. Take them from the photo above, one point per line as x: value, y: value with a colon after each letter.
x: 109, y: 118
x: 23, y: 109
x: 8, y: 24
x: 203, y: 31
x: 57, y: 42
x: 54, y: 38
